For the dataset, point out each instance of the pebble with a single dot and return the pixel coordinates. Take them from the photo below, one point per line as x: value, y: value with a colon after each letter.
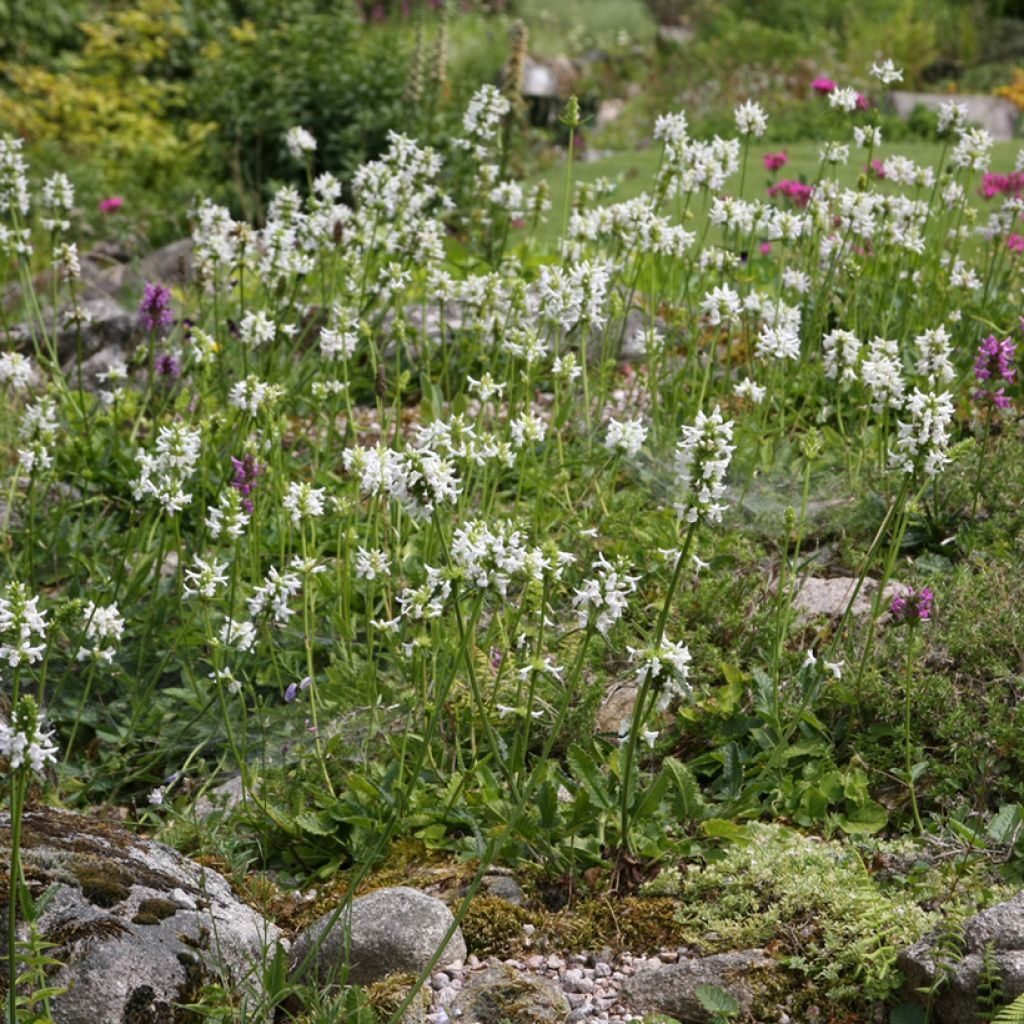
x: 591, y: 982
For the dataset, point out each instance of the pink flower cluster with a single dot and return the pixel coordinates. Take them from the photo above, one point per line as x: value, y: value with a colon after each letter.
x: 773, y: 161
x: 823, y: 85
x: 994, y: 363
x: 912, y: 605
x: 797, y: 191
x: 993, y: 185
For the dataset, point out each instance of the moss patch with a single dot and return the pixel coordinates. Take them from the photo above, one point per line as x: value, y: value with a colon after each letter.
x: 153, y: 911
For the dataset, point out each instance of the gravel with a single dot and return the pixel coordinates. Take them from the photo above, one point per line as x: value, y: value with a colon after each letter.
x: 591, y: 983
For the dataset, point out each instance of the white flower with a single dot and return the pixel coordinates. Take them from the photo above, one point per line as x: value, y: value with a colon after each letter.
x: 304, y: 502
x: 702, y: 458
x: 887, y: 73
x: 15, y: 370
x: 25, y: 741
x: 603, y: 599
x: 749, y: 388
x: 256, y: 329
x: 843, y: 99
x: 103, y: 627
x: 240, y: 635
x: 751, y: 119
x: 20, y: 621
x: 923, y: 441
x: 842, y: 351
x: 164, y: 474
x: 277, y: 590
x: 299, y: 142
x: 626, y: 436
x: 204, y: 578
x: 371, y: 564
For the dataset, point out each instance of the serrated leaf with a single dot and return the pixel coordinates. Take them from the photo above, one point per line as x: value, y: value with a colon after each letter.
x: 691, y: 800
x: 314, y: 824
x: 588, y: 775
x: 716, y: 1000
x: 1005, y: 825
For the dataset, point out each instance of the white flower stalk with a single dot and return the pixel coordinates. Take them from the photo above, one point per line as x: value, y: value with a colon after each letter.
x: 14, y: 194
x: 103, y: 629
x: 748, y: 388
x: 702, y: 459
x: 204, y: 579
x: 58, y: 200
x: 303, y: 502
x: 922, y: 443
x: 486, y: 110
x: 720, y: 305
x: 372, y: 564
x: 751, y: 119
x: 626, y: 436
x: 844, y: 99
x: 882, y: 373
x: 256, y: 329
x: 887, y: 73
x: 602, y: 599
x: 668, y: 667
x: 21, y: 622
x: 163, y: 476
x: 841, y: 350
x: 426, y: 601
x: 300, y: 143
x: 240, y: 635
x: 25, y: 741
x: 227, y: 517
x: 253, y: 395
x: 935, y: 352
x: 16, y: 371
x: 277, y: 590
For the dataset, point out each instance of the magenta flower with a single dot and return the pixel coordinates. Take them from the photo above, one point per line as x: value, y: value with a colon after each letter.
x: 795, y: 190
x: 773, y: 161
x: 863, y: 103
x: 247, y: 472
x: 1015, y: 243
x: 823, y: 86
x: 877, y: 168
x: 155, y: 307
x: 995, y: 359
x: 111, y: 203
x: 764, y: 248
x: 912, y: 605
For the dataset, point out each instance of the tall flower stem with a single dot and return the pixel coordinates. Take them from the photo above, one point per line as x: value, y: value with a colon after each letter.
x: 629, y: 756
x: 908, y: 678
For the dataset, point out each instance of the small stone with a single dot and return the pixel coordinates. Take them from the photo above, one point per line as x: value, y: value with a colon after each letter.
x: 439, y: 981
x: 585, y: 985
x: 602, y: 970
x: 535, y: 963
x: 555, y: 963
x: 580, y: 1013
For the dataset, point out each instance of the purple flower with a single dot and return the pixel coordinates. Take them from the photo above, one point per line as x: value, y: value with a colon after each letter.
x: 995, y: 359
x: 912, y: 605
x: 168, y: 366
x: 289, y: 694
x: 155, y: 307
x: 247, y: 472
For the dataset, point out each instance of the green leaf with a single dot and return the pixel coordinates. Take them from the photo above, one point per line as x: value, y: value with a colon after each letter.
x: 732, y: 769
x: 722, y: 828
x: 864, y: 819
x: 588, y: 775
x: 690, y: 804
x: 716, y: 1000
x: 908, y: 1013
x: 1005, y: 825
x: 315, y: 824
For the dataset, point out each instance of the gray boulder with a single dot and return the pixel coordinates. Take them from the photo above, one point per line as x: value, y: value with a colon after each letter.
x: 1001, y: 928
x: 105, y: 323
x: 138, y: 928
x: 672, y: 988
x: 501, y: 995
x: 392, y: 931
